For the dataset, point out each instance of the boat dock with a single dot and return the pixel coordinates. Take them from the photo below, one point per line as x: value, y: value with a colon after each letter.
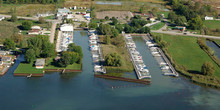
x: 161, y: 58
x: 97, y: 55
x: 139, y: 66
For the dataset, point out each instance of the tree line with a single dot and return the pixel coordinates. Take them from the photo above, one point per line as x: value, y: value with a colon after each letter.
x: 188, y: 13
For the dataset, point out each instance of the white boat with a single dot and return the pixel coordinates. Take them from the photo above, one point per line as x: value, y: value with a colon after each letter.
x: 165, y: 67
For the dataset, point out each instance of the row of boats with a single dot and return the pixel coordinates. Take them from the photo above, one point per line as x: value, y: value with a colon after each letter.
x: 66, y: 39
x: 156, y: 52
x: 138, y: 63
x: 95, y: 49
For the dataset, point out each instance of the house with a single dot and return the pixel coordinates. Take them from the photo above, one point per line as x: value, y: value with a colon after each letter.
x: 179, y: 28
x: 209, y: 18
x: 2, y: 18
x: 62, y: 12
x: 151, y: 19
x: 35, y: 30
x: 39, y: 64
x: 74, y: 7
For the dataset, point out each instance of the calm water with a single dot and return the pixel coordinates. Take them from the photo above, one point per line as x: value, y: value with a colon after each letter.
x: 81, y: 91
x: 214, y: 47
x: 108, y: 3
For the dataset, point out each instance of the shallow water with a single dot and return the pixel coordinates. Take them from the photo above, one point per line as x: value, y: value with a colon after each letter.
x: 83, y: 91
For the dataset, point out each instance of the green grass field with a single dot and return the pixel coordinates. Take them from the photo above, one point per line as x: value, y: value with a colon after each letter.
x: 217, y: 41
x: 165, y: 13
x: 186, y: 51
x: 28, y: 68
x: 73, y: 66
x: 212, y: 24
x: 157, y: 26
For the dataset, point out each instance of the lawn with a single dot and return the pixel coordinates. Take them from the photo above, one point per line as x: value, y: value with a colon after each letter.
x: 73, y: 66
x: 185, y: 51
x: 122, y: 51
x: 217, y: 41
x: 157, y: 26
x: 165, y: 13
x: 50, y: 17
x: 27, y: 9
x: 28, y: 68
x: 212, y: 24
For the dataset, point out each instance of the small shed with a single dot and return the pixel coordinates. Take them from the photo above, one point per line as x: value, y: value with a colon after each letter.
x: 39, y: 64
x: 209, y: 18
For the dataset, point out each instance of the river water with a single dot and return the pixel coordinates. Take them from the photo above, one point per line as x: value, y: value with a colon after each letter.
x: 81, y: 91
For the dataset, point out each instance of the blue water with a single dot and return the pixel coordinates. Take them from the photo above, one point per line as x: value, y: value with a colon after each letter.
x: 82, y: 91
x: 214, y: 47
x: 108, y: 3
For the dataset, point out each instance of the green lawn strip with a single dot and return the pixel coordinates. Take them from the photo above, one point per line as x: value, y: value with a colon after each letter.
x: 50, y: 17
x: 122, y: 51
x: 185, y: 51
x: 212, y: 24
x: 217, y: 41
x: 157, y: 26
x: 73, y: 67
x: 28, y: 68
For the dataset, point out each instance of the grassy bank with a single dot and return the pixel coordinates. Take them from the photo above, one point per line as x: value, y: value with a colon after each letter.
x: 122, y: 51
x: 73, y: 66
x: 188, y: 58
x: 28, y: 68
x: 157, y: 26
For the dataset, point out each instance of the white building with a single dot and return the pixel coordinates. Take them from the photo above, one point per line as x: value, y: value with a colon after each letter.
x: 2, y: 18
x: 74, y: 7
x: 209, y: 18
x: 66, y: 27
x: 62, y: 11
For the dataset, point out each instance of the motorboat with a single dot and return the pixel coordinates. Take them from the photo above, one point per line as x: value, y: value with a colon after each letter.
x: 165, y: 67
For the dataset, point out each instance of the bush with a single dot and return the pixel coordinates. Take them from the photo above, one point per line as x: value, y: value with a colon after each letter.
x: 41, y: 20
x: 26, y: 25
x: 208, y: 69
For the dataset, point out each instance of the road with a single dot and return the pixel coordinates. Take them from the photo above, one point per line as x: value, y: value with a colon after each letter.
x: 188, y: 34
x: 52, y: 32
x: 177, y: 33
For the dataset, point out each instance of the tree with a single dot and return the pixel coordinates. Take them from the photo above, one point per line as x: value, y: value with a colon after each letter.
x: 13, y: 18
x: 83, y: 24
x: 30, y: 55
x: 172, y: 16
x: 107, y: 18
x: 181, y: 20
x: 208, y: 69
x: 48, y: 50
x: 93, y: 25
x: 74, y: 48
x: 9, y: 44
x: 142, y: 10
x: 17, y: 38
x: 114, y: 32
x: 104, y: 29
x: 114, y: 21
x: 196, y: 23
x: 113, y: 59
x: 41, y: 20
x: 68, y: 58
x: 26, y: 25
x: 119, y: 27
x: 107, y: 40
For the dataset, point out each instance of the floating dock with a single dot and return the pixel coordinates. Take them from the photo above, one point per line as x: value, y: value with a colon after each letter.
x: 161, y: 58
x: 139, y: 66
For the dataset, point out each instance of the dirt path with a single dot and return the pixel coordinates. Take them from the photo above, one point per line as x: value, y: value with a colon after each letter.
x: 52, y: 33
